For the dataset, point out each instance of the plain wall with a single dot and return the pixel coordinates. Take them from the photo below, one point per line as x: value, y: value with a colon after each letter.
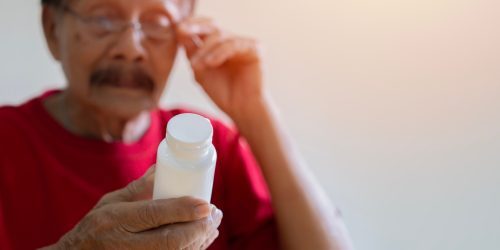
x: 394, y: 104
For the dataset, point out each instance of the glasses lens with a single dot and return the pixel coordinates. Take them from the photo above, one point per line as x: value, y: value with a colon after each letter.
x: 158, y: 32
x: 102, y: 26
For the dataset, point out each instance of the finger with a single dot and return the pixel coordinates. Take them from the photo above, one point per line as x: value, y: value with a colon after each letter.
x: 215, y: 216
x: 210, y: 239
x: 186, y: 7
x: 200, y: 26
x: 140, y: 189
x: 192, y: 31
x: 179, y: 10
x: 145, y: 215
x: 206, y: 242
x: 209, y: 44
x: 179, y: 235
x: 235, y: 50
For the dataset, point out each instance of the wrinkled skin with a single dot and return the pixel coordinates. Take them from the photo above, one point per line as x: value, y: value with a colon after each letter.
x: 125, y: 219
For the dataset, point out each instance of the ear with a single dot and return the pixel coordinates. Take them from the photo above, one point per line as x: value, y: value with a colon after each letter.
x: 49, y: 24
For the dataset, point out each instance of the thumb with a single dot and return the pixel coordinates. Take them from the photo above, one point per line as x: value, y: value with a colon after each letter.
x: 190, y: 42
x: 140, y: 189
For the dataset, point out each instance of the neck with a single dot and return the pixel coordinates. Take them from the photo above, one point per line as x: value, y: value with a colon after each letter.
x: 90, y: 123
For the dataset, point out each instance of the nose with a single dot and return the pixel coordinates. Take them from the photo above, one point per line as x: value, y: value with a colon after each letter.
x: 129, y: 46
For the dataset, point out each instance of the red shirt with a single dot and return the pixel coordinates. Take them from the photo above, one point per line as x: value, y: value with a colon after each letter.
x: 50, y: 178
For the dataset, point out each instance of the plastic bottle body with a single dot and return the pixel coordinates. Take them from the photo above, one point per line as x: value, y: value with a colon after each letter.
x: 186, y: 159
x: 177, y: 177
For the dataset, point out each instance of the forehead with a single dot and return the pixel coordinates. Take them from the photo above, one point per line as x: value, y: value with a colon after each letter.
x: 176, y: 8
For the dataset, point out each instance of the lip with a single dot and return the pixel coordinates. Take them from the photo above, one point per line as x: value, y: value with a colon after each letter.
x: 132, y: 85
x: 127, y: 84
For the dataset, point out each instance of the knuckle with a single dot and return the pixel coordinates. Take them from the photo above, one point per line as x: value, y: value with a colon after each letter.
x: 193, y: 246
x: 251, y: 43
x: 147, y: 214
x: 105, y: 199
x: 171, y: 240
x: 180, y: 209
x: 232, y: 40
x: 95, y: 221
x: 219, y: 36
x: 210, y: 239
x: 184, y: 238
x: 254, y: 43
x: 215, y: 38
x: 132, y: 187
x: 93, y: 218
x: 201, y: 19
x: 206, y: 224
x: 106, y: 216
x: 178, y: 213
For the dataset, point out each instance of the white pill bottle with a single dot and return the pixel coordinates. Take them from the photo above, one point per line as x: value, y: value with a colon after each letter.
x: 185, y: 163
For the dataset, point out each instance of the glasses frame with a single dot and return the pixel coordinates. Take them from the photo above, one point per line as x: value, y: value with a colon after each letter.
x: 109, y: 27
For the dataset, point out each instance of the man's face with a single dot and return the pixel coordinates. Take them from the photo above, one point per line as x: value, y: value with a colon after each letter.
x: 122, y: 72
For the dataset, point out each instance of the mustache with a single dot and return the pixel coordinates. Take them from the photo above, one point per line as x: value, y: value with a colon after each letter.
x: 118, y: 76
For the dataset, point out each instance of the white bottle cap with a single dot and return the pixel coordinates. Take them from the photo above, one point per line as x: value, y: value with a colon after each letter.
x: 189, y: 132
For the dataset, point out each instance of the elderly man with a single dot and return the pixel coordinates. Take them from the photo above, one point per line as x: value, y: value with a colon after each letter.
x: 64, y: 152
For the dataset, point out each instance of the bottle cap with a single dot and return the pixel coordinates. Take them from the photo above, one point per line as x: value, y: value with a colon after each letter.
x: 189, y: 132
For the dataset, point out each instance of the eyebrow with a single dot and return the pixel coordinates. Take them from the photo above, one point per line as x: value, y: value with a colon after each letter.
x: 93, y: 5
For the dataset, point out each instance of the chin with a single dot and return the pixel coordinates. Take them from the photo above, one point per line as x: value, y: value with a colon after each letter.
x: 125, y: 103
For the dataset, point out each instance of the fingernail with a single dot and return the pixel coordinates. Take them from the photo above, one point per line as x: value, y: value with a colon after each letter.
x: 219, y: 215
x: 202, y: 210
x: 216, y: 213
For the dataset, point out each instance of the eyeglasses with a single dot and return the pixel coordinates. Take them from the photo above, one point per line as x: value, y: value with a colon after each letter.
x: 102, y: 26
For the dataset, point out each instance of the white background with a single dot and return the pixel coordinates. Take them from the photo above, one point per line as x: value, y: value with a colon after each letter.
x: 394, y: 103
